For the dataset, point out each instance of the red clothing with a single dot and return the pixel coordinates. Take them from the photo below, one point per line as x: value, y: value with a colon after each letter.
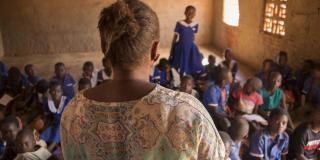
x: 247, y: 103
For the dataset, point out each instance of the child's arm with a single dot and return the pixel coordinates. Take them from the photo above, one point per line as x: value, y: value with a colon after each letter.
x: 284, y: 106
x: 175, y: 37
x: 215, y: 112
x: 257, y: 147
x: 255, y: 110
x: 303, y: 100
x: 52, y: 146
x: 301, y: 157
x: 263, y: 113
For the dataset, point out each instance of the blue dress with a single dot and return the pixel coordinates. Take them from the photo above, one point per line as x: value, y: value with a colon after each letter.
x: 52, y: 133
x: 186, y: 57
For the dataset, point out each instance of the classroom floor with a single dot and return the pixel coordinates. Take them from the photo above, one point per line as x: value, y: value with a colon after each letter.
x: 44, y: 63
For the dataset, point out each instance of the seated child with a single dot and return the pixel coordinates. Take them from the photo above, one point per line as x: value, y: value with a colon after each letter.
x: 84, y: 83
x: 248, y: 99
x: 67, y: 80
x: 247, y: 102
x: 211, y: 68
x: 271, y: 142
x: 54, y: 107
x: 15, y: 83
x: 289, y: 93
x: 272, y: 94
x: 9, y: 128
x: 28, y: 149
x: 230, y: 63
x: 187, y: 85
x: 106, y: 72
x: 90, y: 73
x: 40, y: 96
x: 3, y: 69
x: 227, y: 143
x: 32, y: 79
x: 283, y: 67
x: 165, y: 75
x: 311, y: 89
x: 304, y: 73
x: 238, y: 132
x: 216, y: 97
x: 265, y: 71
x: 305, y: 140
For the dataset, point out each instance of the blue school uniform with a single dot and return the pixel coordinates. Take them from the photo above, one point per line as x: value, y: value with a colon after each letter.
x: 261, y: 75
x: 213, y: 97
x: 159, y: 77
x: 285, y: 71
x: 52, y: 133
x: 68, y: 85
x: 312, y: 92
x: 3, y: 69
x: 263, y: 146
x: 32, y: 81
x: 235, y: 151
x: 186, y: 57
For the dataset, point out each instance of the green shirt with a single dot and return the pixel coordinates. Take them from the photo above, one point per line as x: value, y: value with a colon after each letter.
x: 271, y: 101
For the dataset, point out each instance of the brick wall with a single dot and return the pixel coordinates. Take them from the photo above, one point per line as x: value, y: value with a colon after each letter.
x: 252, y: 46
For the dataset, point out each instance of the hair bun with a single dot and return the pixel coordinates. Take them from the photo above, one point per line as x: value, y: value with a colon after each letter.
x: 120, y: 21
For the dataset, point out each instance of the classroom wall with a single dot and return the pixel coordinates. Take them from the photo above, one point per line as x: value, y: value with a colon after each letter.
x: 1, y: 45
x: 252, y: 46
x: 31, y: 27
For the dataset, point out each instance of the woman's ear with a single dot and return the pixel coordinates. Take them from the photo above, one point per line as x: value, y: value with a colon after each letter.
x: 154, y: 51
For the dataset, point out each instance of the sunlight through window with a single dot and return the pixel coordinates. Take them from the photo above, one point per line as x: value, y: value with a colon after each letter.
x: 274, y: 17
x: 231, y: 12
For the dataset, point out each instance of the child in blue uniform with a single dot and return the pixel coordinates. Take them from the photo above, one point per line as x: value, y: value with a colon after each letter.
x: 311, y: 89
x: 185, y: 56
x: 67, y: 80
x: 54, y: 107
x: 165, y: 75
x: 215, y: 99
x: 31, y: 78
x: 271, y: 142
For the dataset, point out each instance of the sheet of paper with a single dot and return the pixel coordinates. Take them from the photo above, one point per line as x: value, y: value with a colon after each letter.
x: 5, y: 99
x: 256, y: 118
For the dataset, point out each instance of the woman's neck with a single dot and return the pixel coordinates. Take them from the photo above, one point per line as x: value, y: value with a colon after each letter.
x: 135, y: 74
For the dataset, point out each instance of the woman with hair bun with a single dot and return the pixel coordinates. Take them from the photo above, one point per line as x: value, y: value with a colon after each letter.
x: 128, y: 117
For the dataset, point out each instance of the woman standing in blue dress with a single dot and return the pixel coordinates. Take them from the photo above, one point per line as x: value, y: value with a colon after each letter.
x: 185, y: 56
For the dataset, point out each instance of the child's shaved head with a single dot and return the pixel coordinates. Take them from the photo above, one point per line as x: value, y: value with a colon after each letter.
x: 25, y: 141
x: 257, y: 83
x: 239, y: 129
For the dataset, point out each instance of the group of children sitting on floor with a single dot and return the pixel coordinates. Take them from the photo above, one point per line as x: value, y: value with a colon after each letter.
x: 252, y: 118
x: 31, y: 108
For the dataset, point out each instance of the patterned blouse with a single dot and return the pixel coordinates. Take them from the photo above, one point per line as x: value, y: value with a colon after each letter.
x: 164, y: 124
